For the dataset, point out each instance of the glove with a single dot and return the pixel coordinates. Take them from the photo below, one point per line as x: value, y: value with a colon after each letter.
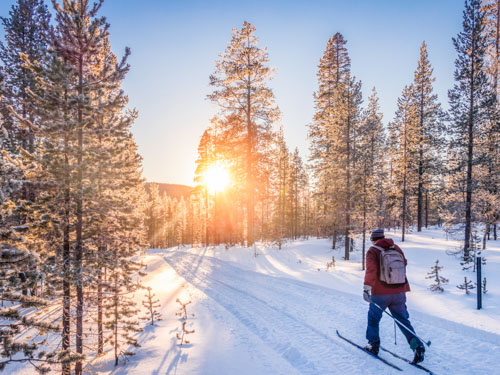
x: 366, y: 293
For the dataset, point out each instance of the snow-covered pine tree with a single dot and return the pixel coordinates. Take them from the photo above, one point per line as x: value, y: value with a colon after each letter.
x: 26, y: 34
x: 20, y: 271
x: 467, y: 285
x: 121, y: 235
x: 403, y: 148
x: 241, y: 91
x: 438, y: 279
x: 108, y: 208
x: 429, y: 127
x: 90, y: 169
x: 332, y: 132
x: 119, y: 205
x: 469, y: 102
x: 53, y: 174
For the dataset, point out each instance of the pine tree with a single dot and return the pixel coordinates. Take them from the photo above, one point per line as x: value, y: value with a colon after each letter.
x: 283, y: 173
x: 371, y: 144
x: 151, y: 304
x: 336, y: 118
x: 298, y: 183
x: 240, y: 91
x: 467, y: 285
x: 20, y: 270
x: 491, y: 178
x: 26, y: 34
x: 402, y: 143
x: 205, y: 158
x: 88, y: 160
x: 439, y: 280
x: 428, y: 126
x: 121, y: 308
x: 469, y: 100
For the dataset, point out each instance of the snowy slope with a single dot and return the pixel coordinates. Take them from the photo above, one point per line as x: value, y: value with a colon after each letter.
x: 276, y: 313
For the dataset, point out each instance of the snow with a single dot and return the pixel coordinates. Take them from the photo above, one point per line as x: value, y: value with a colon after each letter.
x: 277, y: 312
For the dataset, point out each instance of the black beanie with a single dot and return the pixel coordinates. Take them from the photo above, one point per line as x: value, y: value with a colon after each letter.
x: 377, y: 234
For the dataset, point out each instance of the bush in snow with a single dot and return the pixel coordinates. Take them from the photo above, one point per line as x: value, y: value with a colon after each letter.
x: 183, y: 314
x: 185, y: 331
x: 331, y: 264
x: 439, y: 280
x: 467, y: 285
x: 484, y: 286
x: 151, y: 305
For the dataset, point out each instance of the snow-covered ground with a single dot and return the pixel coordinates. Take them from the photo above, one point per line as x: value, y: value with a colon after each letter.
x: 277, y: 312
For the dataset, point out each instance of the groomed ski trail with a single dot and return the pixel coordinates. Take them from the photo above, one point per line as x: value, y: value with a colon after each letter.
x: 297, y: 320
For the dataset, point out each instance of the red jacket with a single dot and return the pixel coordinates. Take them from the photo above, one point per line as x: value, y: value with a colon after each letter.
x: 372, y: 274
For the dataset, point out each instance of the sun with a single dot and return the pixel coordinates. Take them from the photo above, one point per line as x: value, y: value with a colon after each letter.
x: 216, y: 178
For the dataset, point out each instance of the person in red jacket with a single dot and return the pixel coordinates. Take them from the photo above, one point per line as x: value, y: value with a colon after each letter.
x: 381, y: 295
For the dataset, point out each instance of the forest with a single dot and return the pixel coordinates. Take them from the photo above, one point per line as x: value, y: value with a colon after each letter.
x: 76, y: 213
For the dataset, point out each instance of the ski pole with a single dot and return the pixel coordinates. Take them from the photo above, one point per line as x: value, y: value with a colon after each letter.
x: 395, y: 342
x: 428, y: 343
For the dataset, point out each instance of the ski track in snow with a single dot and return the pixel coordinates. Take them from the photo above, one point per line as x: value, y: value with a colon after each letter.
x: 297, y: 320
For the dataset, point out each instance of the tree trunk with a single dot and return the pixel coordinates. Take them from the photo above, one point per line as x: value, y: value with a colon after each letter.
x: 66, y: 270
x: 79, y: 227
x: 116, y: 319
x: 403, y: 228
x: 426, y: 209
x: 348, y: 189
x: 420, y: 165
x: 100, y: 330
x: 364, y: 223
x: 250, y: 167
x: 419, y: 193
x: 470, y: 145
x: 66, y: 267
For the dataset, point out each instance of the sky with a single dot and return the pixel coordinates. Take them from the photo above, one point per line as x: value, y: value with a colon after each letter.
x: 175, y: 44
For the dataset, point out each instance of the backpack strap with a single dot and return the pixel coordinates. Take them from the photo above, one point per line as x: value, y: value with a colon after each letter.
x: 382, y: 249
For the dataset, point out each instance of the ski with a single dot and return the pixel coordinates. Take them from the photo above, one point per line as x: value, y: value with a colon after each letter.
x: 408, y: 361
x: 367, y: 352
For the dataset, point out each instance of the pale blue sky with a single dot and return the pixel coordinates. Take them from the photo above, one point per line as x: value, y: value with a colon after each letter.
x: 175, y: 43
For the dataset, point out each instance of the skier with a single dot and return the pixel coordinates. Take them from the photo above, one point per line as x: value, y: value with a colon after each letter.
x: 384, y: 287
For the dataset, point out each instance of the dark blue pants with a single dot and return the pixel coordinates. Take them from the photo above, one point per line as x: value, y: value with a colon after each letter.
x: 397, y: 306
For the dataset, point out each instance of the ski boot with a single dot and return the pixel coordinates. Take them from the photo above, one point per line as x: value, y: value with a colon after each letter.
x: 419, y: 354
x: 373, y: 347
x: 418, y: 349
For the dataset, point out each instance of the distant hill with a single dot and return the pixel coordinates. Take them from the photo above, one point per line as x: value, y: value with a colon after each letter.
x: 172, y: 190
